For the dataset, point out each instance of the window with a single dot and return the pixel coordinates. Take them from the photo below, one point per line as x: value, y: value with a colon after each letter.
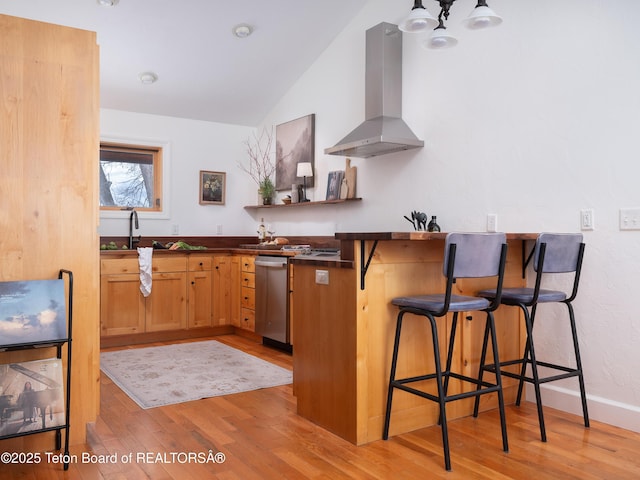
x: 130, y: 177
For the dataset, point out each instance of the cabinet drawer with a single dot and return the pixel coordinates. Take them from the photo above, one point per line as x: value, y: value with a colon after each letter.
x: 199, y: 263
x: 248, y: 280
x: 169, y: 264
x: 248, y: 319
x: 248, y: 298
x: 119, y: 265
x: 248, y: 264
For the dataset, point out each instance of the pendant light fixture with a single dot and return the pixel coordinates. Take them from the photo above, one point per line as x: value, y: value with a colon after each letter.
x: 420, y: 20
x: 440, y: 38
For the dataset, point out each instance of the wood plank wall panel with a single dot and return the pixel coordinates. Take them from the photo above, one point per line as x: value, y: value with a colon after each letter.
x: 49, y: 136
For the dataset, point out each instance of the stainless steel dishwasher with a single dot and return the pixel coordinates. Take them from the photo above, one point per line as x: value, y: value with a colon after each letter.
x: 271, y: 298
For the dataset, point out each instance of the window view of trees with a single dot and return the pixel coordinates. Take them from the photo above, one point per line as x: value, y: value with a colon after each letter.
x: 129, y: 177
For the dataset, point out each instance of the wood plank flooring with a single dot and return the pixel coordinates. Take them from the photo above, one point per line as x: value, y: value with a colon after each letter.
x: 261, y: 438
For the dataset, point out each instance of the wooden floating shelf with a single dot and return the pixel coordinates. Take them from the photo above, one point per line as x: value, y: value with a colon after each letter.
x: 303, y: 204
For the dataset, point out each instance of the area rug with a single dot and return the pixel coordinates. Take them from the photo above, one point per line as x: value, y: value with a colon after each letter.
x: 156, y: 376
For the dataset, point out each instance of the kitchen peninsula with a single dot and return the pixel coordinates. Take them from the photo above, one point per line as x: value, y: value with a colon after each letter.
x: 345, y: 329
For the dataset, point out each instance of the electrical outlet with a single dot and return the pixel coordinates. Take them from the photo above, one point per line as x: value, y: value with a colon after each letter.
x: 322, y: 277
x: 630, y: 219
x: 175, y: 229
x: 586, y: 219
x: 492, y: 222
x: 218, y: 229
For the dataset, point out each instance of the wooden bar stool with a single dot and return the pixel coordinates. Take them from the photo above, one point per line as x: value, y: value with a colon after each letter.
x: 467, y: 255
x: 554, y: 253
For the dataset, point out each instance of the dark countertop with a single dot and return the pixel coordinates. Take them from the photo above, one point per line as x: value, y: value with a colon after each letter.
x: 161, y: 251
x: 414, y: 235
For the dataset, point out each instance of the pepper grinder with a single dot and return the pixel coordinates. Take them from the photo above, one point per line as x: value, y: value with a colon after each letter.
x: 433, y: 225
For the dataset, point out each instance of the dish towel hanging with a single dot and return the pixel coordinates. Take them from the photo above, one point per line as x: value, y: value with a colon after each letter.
x: 144, y: 259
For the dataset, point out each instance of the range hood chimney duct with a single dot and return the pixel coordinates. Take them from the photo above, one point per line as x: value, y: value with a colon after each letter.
x: 383, y: 131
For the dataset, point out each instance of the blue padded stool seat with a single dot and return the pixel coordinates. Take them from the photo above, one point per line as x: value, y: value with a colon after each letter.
x: 516, y: 296
x: 435, y: 303
x: 553, y: 253
x: 466, y: 255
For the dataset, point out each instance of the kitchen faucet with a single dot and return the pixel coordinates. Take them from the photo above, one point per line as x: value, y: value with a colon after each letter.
x: 133, y: 216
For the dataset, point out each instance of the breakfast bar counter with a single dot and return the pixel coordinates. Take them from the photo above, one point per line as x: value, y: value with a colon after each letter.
x: 345, y: 324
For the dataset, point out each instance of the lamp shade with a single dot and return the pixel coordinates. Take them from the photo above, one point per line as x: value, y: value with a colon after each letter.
x: 482, y: 17
x: 419, y: 20
x: 304, y: 169
x: 440, y: 39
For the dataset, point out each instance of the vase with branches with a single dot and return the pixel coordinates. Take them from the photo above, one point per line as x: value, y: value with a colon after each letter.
x: 261, y: 165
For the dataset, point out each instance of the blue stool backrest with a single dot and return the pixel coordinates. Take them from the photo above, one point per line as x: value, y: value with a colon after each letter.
x: 476, y: 254
x: 561, y: 253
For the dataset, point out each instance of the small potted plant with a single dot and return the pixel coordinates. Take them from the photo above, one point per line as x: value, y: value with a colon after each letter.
x: 267, y: 191
x: 261, y: 165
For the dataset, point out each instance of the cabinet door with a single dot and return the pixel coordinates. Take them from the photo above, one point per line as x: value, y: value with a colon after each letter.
x: 166, y: 307
x: 234, y: 296
x: 222, y: 290
x: 122, y: 309
x: 199, y: 299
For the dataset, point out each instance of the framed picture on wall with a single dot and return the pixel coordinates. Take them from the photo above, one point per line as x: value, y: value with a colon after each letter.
x: 295, y: 143
x: 212, y: 187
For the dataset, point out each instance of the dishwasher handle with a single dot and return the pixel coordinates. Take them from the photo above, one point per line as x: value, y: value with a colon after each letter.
x: 270, y: 264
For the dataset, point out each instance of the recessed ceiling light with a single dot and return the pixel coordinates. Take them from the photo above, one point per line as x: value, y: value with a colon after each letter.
x: 108, y: 3
x: 147, y: 78
x: 242, y: 31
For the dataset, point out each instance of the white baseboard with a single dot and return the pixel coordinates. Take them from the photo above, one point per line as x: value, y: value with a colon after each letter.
x: 600, y: 409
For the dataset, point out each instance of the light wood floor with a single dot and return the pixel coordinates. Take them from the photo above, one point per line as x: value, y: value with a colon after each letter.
x: 262, y: 438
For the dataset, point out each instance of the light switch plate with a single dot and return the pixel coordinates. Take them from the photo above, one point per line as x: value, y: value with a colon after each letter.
x: 630, y: 219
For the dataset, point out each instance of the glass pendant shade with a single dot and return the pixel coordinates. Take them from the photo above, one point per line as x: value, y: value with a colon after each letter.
x: 440, y: 39
x: 419, y: 20
x: 482, y: 17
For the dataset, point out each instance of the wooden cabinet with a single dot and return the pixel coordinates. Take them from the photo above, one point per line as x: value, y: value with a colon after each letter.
x: 199, y: 288
x: 127, y: 314
x: 235, y: 290
x: 344, y: 337
x: 222, y: 290
x: 247, y: 293
x: 290, y: 308
x: 123, y: 308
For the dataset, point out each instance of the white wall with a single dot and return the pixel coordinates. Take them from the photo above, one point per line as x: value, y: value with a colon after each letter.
x: 189, y: 146
x: 533, y: 121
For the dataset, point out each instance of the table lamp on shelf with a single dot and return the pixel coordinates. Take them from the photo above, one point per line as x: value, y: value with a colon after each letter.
x: 305, y: 170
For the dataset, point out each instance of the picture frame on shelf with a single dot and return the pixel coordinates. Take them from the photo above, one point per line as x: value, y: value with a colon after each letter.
x: 334, y: 183
x: 295, y: 143
x: 212, y: 187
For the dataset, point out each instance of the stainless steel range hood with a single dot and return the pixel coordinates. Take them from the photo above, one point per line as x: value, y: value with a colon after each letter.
x: 383, y: 131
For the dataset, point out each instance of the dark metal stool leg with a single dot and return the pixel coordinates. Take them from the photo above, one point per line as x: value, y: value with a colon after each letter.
x: 534, y: 371
x: 441, y: 393
x: 483, y: 358
x: 496, y: 359
x: 392, y: 375
x: 452, y: 338
x: 525, y: 357
x: 583, y: 394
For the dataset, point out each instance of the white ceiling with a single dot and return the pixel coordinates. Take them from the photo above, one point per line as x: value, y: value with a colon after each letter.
x: 204, y: 71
